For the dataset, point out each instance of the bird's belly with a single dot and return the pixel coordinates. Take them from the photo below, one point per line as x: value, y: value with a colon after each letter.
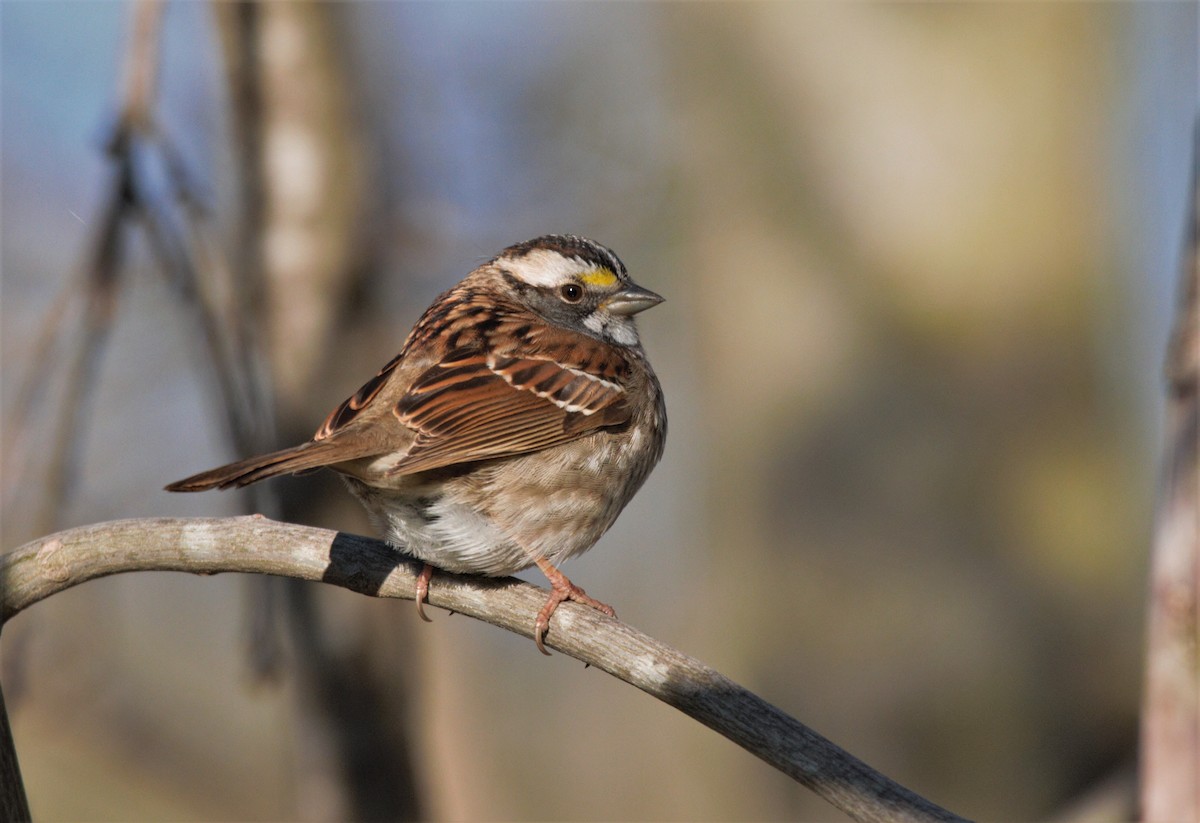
x: 502, y: 516
x: 559, y: 508
x: 433, y: 526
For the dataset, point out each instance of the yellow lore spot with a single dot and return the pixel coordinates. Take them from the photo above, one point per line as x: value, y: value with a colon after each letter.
x: 601, y: 278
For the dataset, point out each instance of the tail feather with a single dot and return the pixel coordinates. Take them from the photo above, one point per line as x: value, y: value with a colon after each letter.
x: 305, y: 457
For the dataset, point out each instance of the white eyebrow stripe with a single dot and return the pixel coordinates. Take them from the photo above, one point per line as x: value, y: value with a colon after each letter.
x: 544, y: 268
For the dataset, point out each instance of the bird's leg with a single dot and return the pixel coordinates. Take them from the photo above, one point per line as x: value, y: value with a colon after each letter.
x: 423, y: 590
x: 561, y: 589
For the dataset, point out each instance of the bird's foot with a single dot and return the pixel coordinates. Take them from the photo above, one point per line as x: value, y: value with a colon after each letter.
x: 561, y: 589
x: 423, y: 590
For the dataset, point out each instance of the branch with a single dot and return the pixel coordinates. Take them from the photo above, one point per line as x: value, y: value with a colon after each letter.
x: 254, y: 544
x: 14, y: 805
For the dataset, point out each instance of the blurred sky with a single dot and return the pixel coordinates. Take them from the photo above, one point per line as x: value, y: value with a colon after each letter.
x: 59, y: 61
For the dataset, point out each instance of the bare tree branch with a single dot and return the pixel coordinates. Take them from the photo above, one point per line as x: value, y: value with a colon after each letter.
x: 183, y: 243
x: 255, y: 544
x: 13, y: 803
x: 140, y: 79
x: 100, y: 279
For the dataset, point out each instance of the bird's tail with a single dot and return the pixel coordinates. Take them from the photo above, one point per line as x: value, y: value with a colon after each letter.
x: 305, y: 457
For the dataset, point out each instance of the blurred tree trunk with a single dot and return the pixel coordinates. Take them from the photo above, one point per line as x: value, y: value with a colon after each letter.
x: 300, y: 192
x: 1170, y: 745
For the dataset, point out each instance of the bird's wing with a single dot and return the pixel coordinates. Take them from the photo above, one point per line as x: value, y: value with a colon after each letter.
x: 475, y: 406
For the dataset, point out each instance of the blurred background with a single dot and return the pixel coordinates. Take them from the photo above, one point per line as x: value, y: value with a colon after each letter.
x: 919, y: 263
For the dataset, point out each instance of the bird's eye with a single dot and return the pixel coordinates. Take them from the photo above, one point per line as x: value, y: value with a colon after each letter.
x: 571, y: 292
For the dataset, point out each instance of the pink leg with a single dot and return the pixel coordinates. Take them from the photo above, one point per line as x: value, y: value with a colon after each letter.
x: 561, y: 589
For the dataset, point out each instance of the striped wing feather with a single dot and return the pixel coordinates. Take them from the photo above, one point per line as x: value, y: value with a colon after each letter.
x: 477, y: 406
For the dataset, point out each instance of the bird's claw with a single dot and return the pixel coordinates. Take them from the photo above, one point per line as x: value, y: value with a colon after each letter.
x: 423, y: 591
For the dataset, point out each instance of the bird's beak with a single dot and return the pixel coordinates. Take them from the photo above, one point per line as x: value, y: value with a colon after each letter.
x: 631, y: 301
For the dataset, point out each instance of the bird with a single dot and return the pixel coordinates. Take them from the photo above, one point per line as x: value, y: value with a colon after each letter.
x: 519, y: 418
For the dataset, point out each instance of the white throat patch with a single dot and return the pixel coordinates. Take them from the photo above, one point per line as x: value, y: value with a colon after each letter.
x: 620, y: 330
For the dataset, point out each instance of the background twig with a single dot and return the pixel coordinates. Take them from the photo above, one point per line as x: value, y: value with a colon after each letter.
x: 257, y: 545
x: 14, y: 805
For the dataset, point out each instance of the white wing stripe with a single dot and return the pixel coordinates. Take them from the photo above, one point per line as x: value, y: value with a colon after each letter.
x: 571, y: 408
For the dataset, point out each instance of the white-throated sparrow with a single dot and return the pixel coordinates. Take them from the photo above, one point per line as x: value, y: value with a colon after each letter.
x: 519, y: 418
